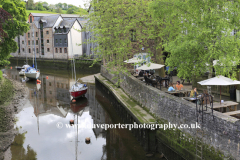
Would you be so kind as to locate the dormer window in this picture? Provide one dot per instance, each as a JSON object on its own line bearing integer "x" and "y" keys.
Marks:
{"x": 64, "y": 30}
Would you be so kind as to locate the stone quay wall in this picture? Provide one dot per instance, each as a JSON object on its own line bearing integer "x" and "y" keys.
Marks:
{"x": 221, "y": 134}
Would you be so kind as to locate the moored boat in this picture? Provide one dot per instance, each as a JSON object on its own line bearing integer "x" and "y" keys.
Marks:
{"x": 22, "y": 72}
{"x": 78, "y": 90}
{"x": 32, "y": 73}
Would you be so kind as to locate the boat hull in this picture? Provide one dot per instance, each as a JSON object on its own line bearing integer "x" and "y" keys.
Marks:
{"x": 77, "y": 94}
{"x": 22, "y": 73}
{"x": 32, "y": 75}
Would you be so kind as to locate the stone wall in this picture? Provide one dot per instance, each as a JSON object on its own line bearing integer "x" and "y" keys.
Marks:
{"x": 221, "y": 134}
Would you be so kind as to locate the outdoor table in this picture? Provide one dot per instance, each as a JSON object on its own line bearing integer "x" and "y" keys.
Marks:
{"x": 185, "y": 92}
{"x": 135, "y": 75}
{"x": 140, "y": 78}
{"x": 224, "y": 105}
{"x": 191, "y": 99}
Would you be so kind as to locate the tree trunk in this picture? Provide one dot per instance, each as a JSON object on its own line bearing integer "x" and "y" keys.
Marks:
{"x": 159, "y": 58}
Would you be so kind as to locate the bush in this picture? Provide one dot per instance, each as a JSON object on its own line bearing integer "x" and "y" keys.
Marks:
{"x": 1, "y": 75}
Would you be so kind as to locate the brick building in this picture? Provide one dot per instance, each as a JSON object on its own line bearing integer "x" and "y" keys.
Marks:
{"x": 51, "y": 36}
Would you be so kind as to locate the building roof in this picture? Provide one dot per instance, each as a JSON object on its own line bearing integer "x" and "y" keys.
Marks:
{"x": 48, "y": 21}
{"x": 67, "y": 23}
{"x": 40, "y": 14}
{"x": 83, "y": 23}
{"x": 70, "y": 15}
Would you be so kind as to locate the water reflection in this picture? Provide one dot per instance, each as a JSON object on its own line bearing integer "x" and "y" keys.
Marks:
{"x": 49, "y": 104}
{"x": 19, "y": 152}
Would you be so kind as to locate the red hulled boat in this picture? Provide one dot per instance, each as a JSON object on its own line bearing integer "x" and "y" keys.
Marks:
{"x": 78, "y": 90}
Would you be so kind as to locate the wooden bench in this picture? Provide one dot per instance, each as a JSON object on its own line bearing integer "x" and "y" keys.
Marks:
{"x": 224, "y": 105}
{"x": 232, "y": 113}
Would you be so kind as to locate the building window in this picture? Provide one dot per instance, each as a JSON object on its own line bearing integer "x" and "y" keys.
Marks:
{"x": 37, "y": 50}
{"x": 60, "y": 50}
{"x": 47, "y": 40}
{"x": 56, "y": 41}
{"x": 22, "y": 42}
{"x": 65, "y": 40}
{"x": 31, "y": 19}
{"x": 36, "y": 42}
{"x": 60, "y": 40}
{"x": 36, "y": 34}
{"x": 29, "y": 42}
{"x": 42, "y": 51}
{"x": 29, "y": 50}
{"x": 48, "y": 49}
{"x": 50, "y": 84}
{"x": 65, "y": 30}
{"x": 56, "y": 50}
{"x": 65, "y": 50}
{"x": 47, "y": 32}
{"x": 33, "y": 42}
{"x": 28, "y": 35}
{"x": 133, "y": 35}
{"x": 23, "y": 49}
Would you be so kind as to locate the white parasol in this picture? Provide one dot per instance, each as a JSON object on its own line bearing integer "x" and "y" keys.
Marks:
{"x": 149, "y": 66}
{"x": 219, "y": 81}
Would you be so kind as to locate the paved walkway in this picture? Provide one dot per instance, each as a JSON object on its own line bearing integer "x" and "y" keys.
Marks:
{"x": 89, "y": 79}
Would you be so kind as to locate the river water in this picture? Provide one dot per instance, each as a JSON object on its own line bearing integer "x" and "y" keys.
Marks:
{"x": 48, "y": 106}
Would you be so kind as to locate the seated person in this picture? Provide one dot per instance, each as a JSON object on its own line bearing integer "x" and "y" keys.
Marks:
{"x": 152, "y": 76}
{"x": 179, "y": 86}
{"x": 194, "y": 92}
{"x": 171, "y": 87}
{"x": 141, "y": 73}
{"x": 206, "y": 97}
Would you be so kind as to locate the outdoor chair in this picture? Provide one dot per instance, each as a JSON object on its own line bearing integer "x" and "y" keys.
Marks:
{"x": 153, "y": 83}
{"x": 146, "y": 80}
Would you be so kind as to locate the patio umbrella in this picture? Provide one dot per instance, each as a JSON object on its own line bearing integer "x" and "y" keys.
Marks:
{"x": 150, "y": 66}
{"x": 219, "y": 81}
{"x": 134, "y": 60}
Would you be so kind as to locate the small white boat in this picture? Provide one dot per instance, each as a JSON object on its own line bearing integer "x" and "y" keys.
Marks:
{"x": 32, "y": 73}
{"x": 22, "y": 72}
{"x": 25, "y": 66}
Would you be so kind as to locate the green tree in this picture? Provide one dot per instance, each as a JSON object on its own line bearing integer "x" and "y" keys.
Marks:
{"x": 70, "y": 11}
{"x": 39, "y": 6}
{"x": 58, "y": 10}
{"x": 65, "y": 6}
{"x": 198, "y": 32}
{"x": 121, "y": 29}
{"x": 59, "y": 5}
{"x": 13, "y": 27}
{"x": 30, "y": 5}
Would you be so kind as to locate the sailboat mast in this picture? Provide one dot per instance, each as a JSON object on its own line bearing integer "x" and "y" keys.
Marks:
{"x": 34, "y": 47}
{"x": 77, "y": 137}
{"x": 73, "y": 54}
{"x": 25, "y": 47}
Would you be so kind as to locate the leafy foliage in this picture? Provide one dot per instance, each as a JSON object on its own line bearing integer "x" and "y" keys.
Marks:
{"x": 4, "y": 16}
{"x": 30, "y": 5}
{"x": 121, "y": 29}
{"x": 13, "y": 27}
{"x": 198, "y": 32}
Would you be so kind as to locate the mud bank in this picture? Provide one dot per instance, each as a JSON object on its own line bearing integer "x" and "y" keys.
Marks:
{"x": 13, "y": 96}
